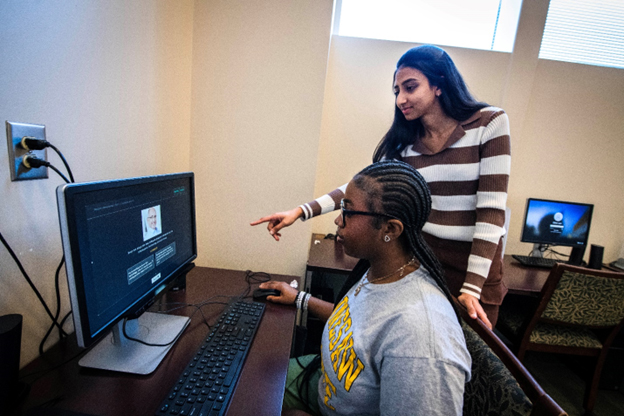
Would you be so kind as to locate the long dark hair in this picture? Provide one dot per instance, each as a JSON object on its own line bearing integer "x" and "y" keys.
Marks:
{"x": 456, "y": 100}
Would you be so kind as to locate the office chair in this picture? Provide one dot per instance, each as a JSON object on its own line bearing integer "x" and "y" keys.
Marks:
{"x": 500, "y": 384}
{"x": 579, "y": 312}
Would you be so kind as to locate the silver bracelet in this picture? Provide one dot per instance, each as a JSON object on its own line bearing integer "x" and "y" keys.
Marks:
{"x": 300, "y": 297}
{"x": 305, "y": 301}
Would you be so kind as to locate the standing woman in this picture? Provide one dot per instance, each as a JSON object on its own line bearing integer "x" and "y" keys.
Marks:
{"x": 462, "y": 149}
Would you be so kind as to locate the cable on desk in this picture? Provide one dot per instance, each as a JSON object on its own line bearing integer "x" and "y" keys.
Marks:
{"x": 140, "y": 341}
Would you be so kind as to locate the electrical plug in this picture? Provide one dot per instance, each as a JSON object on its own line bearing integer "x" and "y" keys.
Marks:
{"x": 32, "y": 143}
{"x": 33, "y": 162}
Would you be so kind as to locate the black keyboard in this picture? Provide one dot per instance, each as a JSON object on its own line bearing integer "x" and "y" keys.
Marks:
{"x": 206, "y": 385}
{"x": 535, "y": 261}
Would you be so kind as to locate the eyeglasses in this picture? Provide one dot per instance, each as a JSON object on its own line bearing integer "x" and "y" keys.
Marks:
{"x": 349, "y": 212}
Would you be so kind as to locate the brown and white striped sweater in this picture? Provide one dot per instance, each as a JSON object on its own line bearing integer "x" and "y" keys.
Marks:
{"x": 468, "y": 179}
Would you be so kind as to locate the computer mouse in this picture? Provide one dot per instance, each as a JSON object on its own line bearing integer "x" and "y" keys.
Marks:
{"x": 261, "y": 294}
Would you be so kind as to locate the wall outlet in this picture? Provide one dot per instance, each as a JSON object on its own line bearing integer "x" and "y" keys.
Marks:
{"x": 15, "y": 132}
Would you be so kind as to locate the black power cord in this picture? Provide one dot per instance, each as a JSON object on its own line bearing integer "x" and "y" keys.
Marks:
{"x": 62, "y": 332}
{"x": 33, "y": 162}
{"x": 31, "y": 143}
{"x": 30, "y": 282}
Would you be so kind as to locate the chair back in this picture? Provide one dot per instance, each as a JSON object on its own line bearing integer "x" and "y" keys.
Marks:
{"x": 580, "y": 296}
{"x": 500, "y": 384}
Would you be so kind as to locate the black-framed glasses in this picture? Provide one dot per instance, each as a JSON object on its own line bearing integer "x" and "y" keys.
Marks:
{"x": 349, "y": 212}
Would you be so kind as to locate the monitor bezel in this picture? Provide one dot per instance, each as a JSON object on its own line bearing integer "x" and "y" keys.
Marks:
{"x": 73, "y": 265}
{"x": 526, "y": 239}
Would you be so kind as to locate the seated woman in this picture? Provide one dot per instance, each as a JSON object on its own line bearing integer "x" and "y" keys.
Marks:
{"x": 393, "y": 344}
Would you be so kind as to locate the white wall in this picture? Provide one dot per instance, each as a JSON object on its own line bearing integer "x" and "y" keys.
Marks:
{"x": 111, "y": 81}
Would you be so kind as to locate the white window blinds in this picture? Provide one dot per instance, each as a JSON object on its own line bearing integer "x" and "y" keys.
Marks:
{"x": 585, "y": 32}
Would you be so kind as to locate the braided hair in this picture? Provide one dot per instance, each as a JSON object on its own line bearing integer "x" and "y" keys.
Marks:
{"x": 399, "y": 190}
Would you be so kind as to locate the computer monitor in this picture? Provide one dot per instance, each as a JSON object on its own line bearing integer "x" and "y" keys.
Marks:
{"x": 556, "y": 223}
{"x": 125, "y": 243}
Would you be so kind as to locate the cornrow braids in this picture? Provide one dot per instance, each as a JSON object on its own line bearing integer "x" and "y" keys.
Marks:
{"x": 401, "y": 192}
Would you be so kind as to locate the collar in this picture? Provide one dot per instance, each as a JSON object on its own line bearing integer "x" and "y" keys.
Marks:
{"x": 457, "y": 134}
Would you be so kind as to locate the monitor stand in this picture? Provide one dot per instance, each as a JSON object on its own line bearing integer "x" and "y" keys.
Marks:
{"x": 538, "y": 250}
{"x": 117, "y": 353}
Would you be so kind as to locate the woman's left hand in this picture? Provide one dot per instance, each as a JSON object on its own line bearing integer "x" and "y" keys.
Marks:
{"x": 475, "y": 310}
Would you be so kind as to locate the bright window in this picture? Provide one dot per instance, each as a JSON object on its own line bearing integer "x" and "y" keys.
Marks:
{"x": 585, "y": 32}
{"x": 477, "y": 24}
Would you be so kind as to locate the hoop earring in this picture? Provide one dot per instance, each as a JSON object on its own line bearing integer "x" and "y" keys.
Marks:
{"x": 387, "y": 238}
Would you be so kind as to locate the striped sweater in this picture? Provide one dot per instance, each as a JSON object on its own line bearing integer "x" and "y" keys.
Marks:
{"x": 468, "y": 179}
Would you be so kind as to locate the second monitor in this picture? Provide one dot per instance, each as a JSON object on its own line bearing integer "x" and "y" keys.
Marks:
{"x": 557, "y": 223}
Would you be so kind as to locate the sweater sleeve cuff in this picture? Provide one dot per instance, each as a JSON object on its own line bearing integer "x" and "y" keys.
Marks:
{"x": 471, "y": 289}
{"x": 307, "y": 212}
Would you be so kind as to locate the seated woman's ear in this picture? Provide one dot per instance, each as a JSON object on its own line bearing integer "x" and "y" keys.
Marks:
{"x": 392, "y": 229}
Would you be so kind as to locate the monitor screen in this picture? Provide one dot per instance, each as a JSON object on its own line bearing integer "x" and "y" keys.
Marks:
{"x": 125, "y": 241}
{"x": 556, "y": 223}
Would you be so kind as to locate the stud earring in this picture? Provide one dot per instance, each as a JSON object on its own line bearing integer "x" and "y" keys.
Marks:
{"x": 387, "y": 238}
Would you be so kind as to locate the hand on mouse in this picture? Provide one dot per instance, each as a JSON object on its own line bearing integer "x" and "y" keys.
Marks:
{"x": 288, "y": 293}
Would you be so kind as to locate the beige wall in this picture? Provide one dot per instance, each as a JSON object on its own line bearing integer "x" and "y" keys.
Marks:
{"x": 566, "y": 123}
{"x": 111, "y": 81}
{"x": 258, "y": 79}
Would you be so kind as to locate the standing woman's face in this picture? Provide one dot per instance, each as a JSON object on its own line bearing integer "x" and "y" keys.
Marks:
{"x": 415, "y": 97}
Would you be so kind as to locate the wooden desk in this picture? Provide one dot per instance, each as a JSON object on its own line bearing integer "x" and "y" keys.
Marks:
{"x": 528, "y": 281}
{"x": 521, "y": 280}
{"x": 260, "y": 388}
{"x": 327, "y": 256}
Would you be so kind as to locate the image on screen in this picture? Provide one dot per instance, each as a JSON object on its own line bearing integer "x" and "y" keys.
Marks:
{"x": 152, "y": 225}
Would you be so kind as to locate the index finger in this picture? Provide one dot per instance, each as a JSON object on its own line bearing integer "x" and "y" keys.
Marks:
{"x": 261, "y": 220}
{"x": 483, "y": 316}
